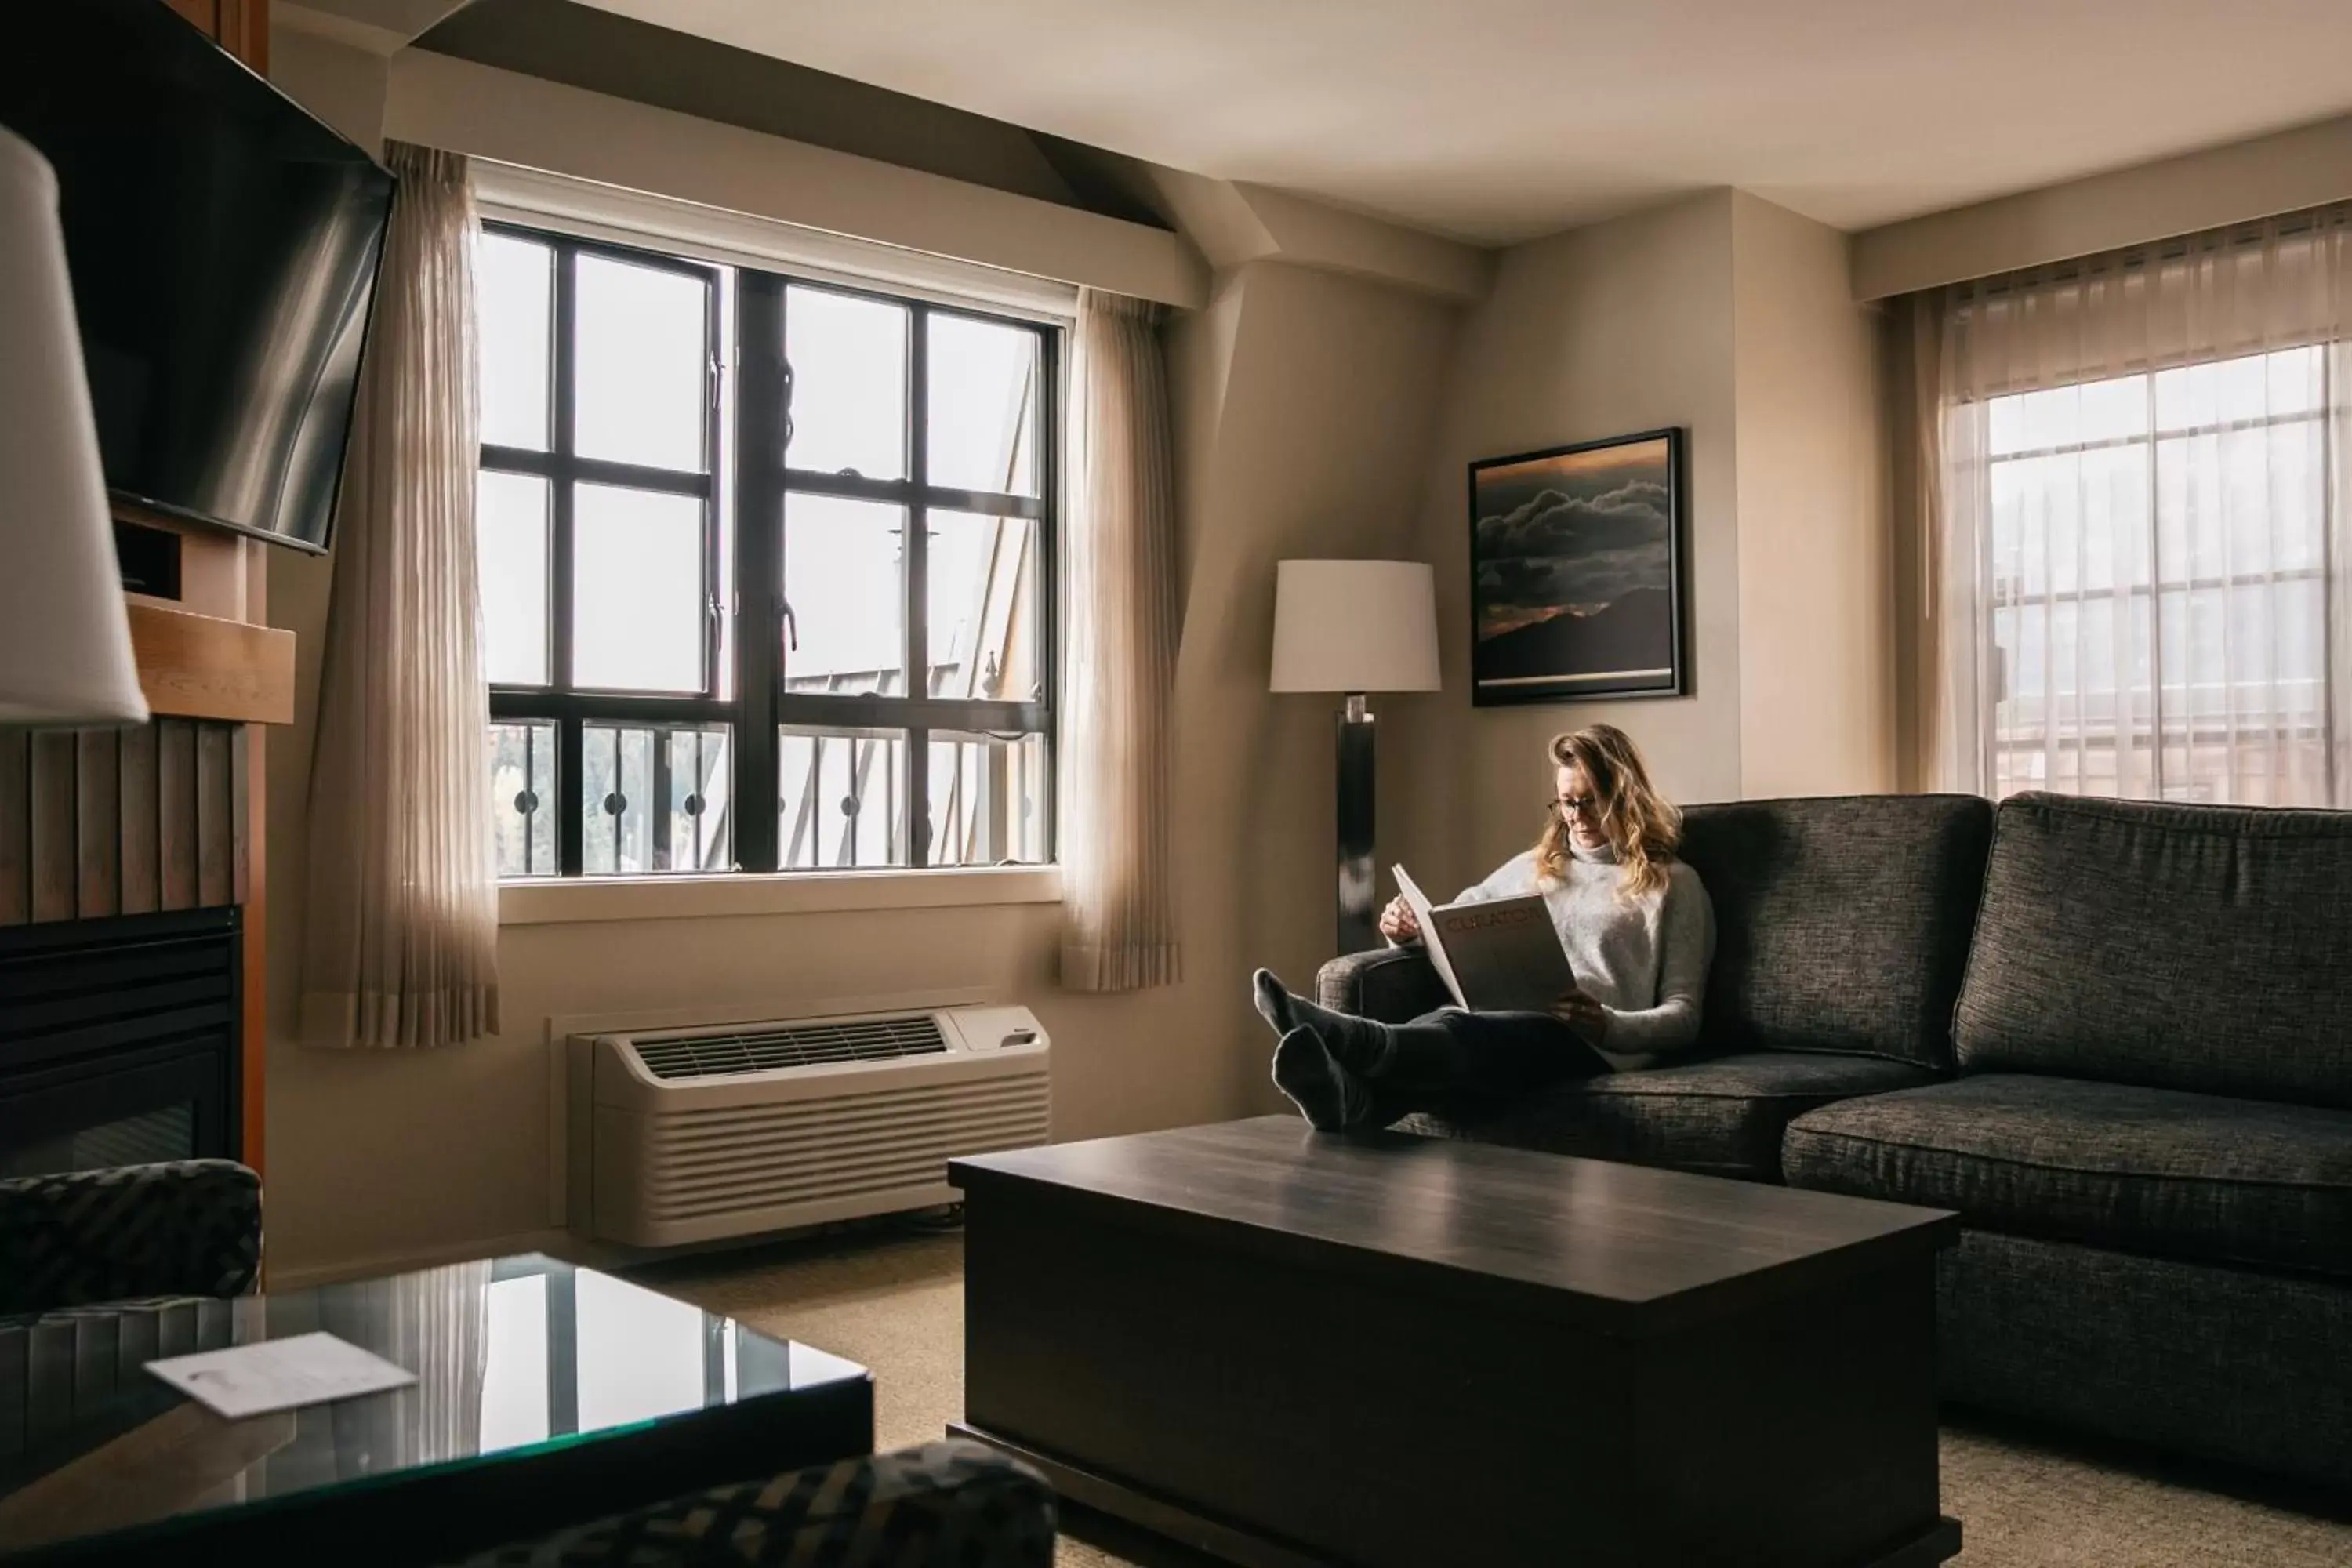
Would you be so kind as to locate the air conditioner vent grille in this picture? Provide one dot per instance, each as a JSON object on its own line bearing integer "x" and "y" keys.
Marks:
{"x": 729, "y": 1051}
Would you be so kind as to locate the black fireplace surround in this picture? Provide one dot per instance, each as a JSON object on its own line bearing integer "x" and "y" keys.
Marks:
{"x": 119, "y": 1041}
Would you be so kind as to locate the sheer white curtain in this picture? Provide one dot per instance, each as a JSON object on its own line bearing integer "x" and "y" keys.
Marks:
{"x": 401, "y": 927}
{"x": 1119, "y": 661}
{"x": 2143, "y": 565}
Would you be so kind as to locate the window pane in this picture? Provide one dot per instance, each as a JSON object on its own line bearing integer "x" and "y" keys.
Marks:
{"x": 2069, "y": 415}
{"x": 510, "y": 541}
{"x": 638, "y": 606}
{"x": 616, "y": 768}
{"x": 982, "y": 626}
{"x": 514, "y": 311}
{"x": 983, "y": 407}
{"x": 655, "y": 798}
{"x": 2242, "y": 502}
{"x": 840, "y": 798}
{"x": 643, "y": 359}
{"x": 696, "y": 785}
{"x": 988, "y": 800}
{"x": 844, "y": 592}
{"x": 2070, "y": 521}
{"x": 2257, "y": 386}
{"x": 522, "y": 797}
{"x": 848, "y": 360}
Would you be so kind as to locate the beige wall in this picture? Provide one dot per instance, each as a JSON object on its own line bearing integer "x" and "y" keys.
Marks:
{"x": 1734, "y": 319}
{"x": 1622, "y": 326}
{"x": 1816, "y": 690}
{"x": 1304, "y": 403}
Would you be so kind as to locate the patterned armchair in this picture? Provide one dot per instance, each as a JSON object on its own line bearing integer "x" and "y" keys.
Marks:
{"x": 951, "y": 1504}
{"x": 189, "y": 1228}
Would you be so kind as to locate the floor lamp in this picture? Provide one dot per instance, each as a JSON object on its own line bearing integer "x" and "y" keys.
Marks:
{"x": 65, "y": 636}
{"x": 1355, "y": 627}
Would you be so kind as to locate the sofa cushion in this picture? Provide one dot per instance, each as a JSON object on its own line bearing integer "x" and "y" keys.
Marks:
{"x": 1842, "y": 924}
{"x": 2145, "y": 1169}
{"x": 1723, "y": 1116}
{"x": 2175, "y": 946}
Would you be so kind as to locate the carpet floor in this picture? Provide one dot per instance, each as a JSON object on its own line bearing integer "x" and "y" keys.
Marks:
{"x": 2025, "y": 1499}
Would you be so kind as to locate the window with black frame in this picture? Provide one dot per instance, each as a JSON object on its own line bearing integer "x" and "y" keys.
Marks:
{"x": 748, "y": 539}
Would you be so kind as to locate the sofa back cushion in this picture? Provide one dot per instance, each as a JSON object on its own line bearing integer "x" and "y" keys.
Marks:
{"x": 2194, "y": 947}
{"x": 1842, "y": 924}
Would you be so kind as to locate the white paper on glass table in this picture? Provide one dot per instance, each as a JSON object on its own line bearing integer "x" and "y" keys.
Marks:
{"x": 279, "y": 1374}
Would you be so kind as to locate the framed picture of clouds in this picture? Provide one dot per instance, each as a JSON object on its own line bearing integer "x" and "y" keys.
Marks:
{"x": 1577, "y": 572}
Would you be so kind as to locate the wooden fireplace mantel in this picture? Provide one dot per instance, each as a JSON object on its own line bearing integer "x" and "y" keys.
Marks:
{"x": 206, "y": 666}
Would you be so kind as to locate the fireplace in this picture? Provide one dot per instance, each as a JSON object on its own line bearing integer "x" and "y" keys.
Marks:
{"x": 119, "y": 1041}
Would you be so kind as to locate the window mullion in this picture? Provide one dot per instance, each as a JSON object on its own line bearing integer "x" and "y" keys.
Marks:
{"x": 569, "y": 831}
{"x": 713, "y": 636}
{"x": 758, "y": 523}
{"x": 1047, "y": 595}
{"x": 570, "y": 837}
{"x": 917, "y": 578}
{"x": 560, "y": 481}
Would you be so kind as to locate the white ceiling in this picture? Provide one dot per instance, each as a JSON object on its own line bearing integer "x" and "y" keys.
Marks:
{"x": 1498, "y": 121}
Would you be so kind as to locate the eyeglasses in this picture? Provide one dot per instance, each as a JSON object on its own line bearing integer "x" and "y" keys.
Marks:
{"x": 1565, "y": 806}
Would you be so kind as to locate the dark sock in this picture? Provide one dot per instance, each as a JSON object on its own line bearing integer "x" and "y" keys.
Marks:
{"x": 1326, "y": 1094}
{"x": 1273, "y": 1001}
{"x": 1359, "y": 1044}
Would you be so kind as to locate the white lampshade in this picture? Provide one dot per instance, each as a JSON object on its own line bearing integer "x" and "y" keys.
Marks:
{"x": 1355, "y": 625}
{"x": 64, "y": 639}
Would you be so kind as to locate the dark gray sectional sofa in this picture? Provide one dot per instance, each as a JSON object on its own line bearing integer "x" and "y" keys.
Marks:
{"x": 1841, "y": 930}
{"x": 2116, "y": 1036}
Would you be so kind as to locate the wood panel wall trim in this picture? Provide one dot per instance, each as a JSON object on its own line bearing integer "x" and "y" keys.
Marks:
{"x": 95, "y": 822}
{"x": 199, "y": 667}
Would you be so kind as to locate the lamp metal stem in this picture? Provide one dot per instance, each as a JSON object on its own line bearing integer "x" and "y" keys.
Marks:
{"x": 1358, "y": 931}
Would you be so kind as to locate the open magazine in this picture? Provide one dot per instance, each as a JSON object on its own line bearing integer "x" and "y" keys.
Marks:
{"x": 1500, "y": 955}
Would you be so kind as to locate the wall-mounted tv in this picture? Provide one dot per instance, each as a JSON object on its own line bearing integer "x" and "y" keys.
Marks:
{"x": 222, "y": 249}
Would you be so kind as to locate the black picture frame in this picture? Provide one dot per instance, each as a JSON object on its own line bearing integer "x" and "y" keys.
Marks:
{"x": 1614, "y": 529}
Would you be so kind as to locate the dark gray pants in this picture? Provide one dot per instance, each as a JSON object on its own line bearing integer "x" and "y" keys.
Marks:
{"x": 1452, "y": 1061}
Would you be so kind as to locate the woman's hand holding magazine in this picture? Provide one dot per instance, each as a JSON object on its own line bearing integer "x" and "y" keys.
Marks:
{"x": 1496, "y": 955}
{"x": 1398, "y": 922}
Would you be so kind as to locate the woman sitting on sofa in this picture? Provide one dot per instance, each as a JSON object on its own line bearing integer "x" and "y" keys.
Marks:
{"x": 1635, "y": 923}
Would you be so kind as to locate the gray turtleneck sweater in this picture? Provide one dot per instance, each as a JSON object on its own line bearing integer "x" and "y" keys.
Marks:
{"x": 1642, "y": 958}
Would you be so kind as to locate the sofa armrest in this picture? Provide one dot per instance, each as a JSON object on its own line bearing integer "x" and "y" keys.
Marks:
{"x": 188, "y": 1228}
{"x": 953, "y": 1504}
{"x": 1393, "y": 984}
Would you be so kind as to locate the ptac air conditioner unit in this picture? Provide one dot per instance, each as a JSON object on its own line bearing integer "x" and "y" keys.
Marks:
{"x": 698, "y": 1135}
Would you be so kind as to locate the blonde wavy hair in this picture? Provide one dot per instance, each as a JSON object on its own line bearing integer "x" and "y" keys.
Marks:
{"x": 1643, "y": 829}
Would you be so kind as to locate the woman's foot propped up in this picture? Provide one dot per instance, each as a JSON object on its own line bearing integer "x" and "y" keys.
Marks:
{"x": 1359, "y": 1044}
{"x": 1331, "y": 1098}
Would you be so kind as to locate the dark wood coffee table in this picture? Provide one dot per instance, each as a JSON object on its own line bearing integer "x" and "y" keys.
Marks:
{"x": 1287, "y": 1348}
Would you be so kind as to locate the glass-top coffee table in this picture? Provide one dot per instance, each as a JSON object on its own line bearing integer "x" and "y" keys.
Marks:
{"x": 546, "y": 1395}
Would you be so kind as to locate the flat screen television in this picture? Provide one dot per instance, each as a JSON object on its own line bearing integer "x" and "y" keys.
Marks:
{"x": 223, "y": 248}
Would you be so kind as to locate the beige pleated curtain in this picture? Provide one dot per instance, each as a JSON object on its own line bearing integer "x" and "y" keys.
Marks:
{"x": 1118, "y": 663}
{"x": 400, "y": 942}
{"x": 2135, "y": 501}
